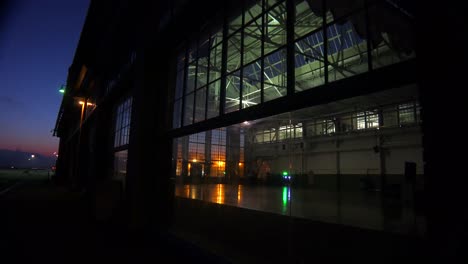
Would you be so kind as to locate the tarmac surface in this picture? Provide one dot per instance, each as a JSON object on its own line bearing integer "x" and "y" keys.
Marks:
{"x": 45, "y": 223}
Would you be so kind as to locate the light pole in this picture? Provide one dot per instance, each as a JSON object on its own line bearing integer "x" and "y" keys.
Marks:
{"x": 31, "y": 158}
{"x": 83, "y": 103}
{"x": 84, "y": 107}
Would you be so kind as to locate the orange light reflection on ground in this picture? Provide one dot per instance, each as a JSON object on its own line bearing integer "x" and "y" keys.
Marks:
{"x": 220, "y": 193}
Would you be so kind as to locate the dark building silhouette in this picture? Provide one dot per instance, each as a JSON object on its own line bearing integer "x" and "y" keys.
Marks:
{"x": 278, "y": 130}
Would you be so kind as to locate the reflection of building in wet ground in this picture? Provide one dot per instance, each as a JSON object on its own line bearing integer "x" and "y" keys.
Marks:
{"x": 360, "y": 209}
{"x": 345, "y": 166}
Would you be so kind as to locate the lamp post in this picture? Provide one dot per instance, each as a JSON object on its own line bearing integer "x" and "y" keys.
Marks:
{"x": 83, "y": 104}
{"x": 30, "y": 164}
{"x": 75, "y": 180}
{"x": 84, "y": 107}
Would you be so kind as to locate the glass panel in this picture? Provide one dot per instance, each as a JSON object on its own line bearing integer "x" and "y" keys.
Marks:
{"x": 406, "y": 114}
{"x": 298, "y": 131}
{"x": 372, "y": 119}
{"x": 178, "y": 154}
{"x": 275, "y": 75}
{"x": 217, "y": 37}
{"x": 218, "y": 155}
{"x": 235, "y": 24}
{"x": 330, "y": 17}
{"x": 392, "y": 35}
{"x": 120, "y": 166}
{"x": 340, "y": 9}
{"x": 197, "y": 147}
{"x": 308, "y": 17}
{"x": 309, "y": 62}
{"x": 320, "y": 127}
{"x": 233, "y": 92}
{"x": 193, "y": 164}
{"x": 177, "y": 113}
{"x": 390, "y": 117}
{"x": 253, "y": 11}
{"x": 122, "y": 123}
{"x": 418, "y": 113}
{"x": 117, "y": 138}
{"x": 252, "y": 41}
{"x": 200, "y": 104}
{"x": 330, "y": 127}
{"x": 213, "y": 98}
{"x": 251, "y": 89}
{"x": 215, "y": 62}
{"x": 259, "y": 138}
{"x": 218, "y": 141}
{"x": 179, "y": 84}
{"x": 233, "y": 53}
{"x": 347, "y": 48}
{"x": 192, "y": 53}
{"x": 269, "y": 136}
{"x": 191, "y": 73}
{"x": 270, "y": 3}
{"x": 346, "y": 123}
{"x": 286, "y": 132}
{"x": 181, "y": 61}
{"x": 202, "y": 72}
{"x": 188, "y": 111}
{"x": 202, "y": 67}
{"x": 275, "y": 28}
{"x": 360, "y": 120}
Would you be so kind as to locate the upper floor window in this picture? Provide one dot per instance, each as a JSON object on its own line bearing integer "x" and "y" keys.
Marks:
{"x": 408, "y": 113}
{"x": 266, "y": 136}
{"x": 321, "y": 127}
{"x": 367, "y": 119}
{"x": 290, "y": 131}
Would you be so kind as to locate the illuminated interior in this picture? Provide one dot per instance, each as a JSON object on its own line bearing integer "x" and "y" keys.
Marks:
{"x": 307, "y": 162}
{"x": 256, "y": 56}
{"x": 322, "y": 162}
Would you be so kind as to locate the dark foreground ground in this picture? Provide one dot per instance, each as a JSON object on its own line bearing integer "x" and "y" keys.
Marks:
{"x": 44, "y": 223}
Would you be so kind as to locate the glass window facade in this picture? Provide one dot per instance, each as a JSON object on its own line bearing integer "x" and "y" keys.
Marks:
{"x": 327, "y": 162}
{"x": 330, "y": 43}
{"x": 310, "y": 164}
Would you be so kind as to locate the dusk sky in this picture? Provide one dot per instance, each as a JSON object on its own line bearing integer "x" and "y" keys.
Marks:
{"x": 38, "y": 39}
